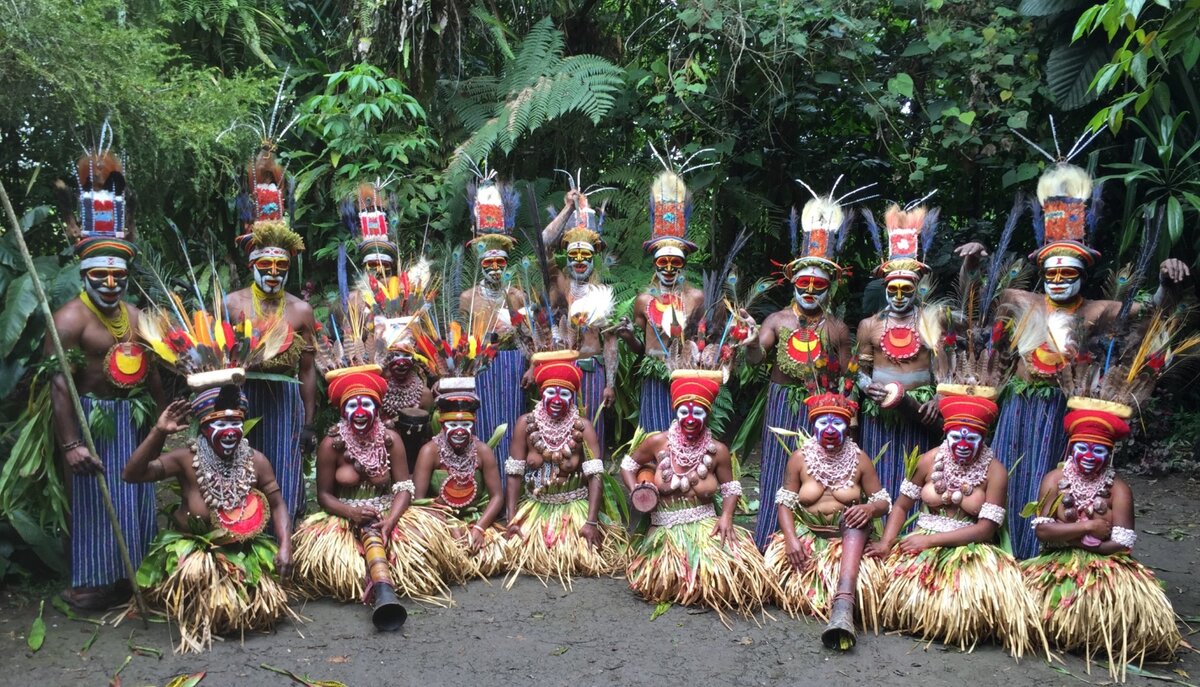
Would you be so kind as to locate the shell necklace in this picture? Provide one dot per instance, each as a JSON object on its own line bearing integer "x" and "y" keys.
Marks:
{"x": 952, "y": 481}
{"x": 686, "y": 462}
{"x": 223, "y": 483}
{"x": 833, "y": 470}
{"x": 1081, "y": 492}
{"x": 369, "y": 454}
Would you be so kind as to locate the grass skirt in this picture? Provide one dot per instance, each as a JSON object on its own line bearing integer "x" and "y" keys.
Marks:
{"x": 686, "y": 564}
{"x": 492, "y": 557}
{"x": 1093, "y": 603}
{"x": 208, "y": 589}
{"x": 810, "y": 591}
{"x": 550, "y": 546}
{"x": 328, "y": 557}
{"x": 962, "y": 595}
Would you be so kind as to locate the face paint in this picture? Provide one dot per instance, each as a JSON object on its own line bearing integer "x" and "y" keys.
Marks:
{"x": 400, "y": 363}
{"x": 224, "y": 436}
{"x": 458, "y": 433}
{"x": 669, "y": 269}
{"x": 270, "y": 273}
{"x": 581, "y": 264}
{"x": 359, "y": 412}
{"x": 830, "y": 431}
{"x": 493, "y": 270}
{"x": 965, "y": 443}
{"x": 810, "y": 289}
{"x": 1062, "y": 283}
{"x": 692, "y": 418}
{"x": 901, "y": 295}
{"x": 1090, "y": 458}
{"x": 105, "y": 286}
{"x": 557, "y": 401}
{"x": 378, "y": 266}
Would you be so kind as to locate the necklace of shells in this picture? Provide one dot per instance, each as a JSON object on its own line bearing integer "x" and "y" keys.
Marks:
{"x": 833, "y": 470}
{"x": 369, "y": 454}
{"x": 555, "y": 439}
{"x": 458, "y": 465}
{"x": 405, "y": 394}
{"x": 223, "y": 483}
{"x": 1080, "y": 492}
{"x": 685, "y": 462}
{"x": 952, "y": 481}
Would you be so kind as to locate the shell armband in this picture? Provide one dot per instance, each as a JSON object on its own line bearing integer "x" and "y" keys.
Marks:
{"x": 592, "y": 467}
{"x": 991, "y": 511}
{"x": 512, "y": 466}
{"x": 910, "y": 490}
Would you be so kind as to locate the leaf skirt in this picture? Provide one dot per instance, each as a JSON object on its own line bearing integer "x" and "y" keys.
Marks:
{"x": 549, "y": 544}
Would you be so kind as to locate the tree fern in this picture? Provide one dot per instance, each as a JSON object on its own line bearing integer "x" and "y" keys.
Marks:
{"x": 537, "y": 85}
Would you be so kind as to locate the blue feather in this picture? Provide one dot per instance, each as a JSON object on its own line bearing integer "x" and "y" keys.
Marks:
{"x": 794, "y": 232}
{"x": 342, "y": 277}
{"x": 551, "y": 212}
{"x": 843, "y": 233}
{"x": 1095, "y": 208}
{"x": 929, "y": 230}
{"x": 512, "y": 202}
{"x": 1039, "y": 225}
{"x": 245, "y": 208}
{"x": 1014, "y": 216}
{"x": 873, "y": 230}
{"x": 349, "y": 211}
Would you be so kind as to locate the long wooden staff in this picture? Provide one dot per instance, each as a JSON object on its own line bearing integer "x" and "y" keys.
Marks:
{"x": 75, "y": 402}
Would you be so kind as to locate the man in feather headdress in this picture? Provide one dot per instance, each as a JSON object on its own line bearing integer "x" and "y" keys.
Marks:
{"x": 809, "y": 344}
{"x": 286, "y": 409}
{"x": 99, "y": 324}
{"x": 1049, "y": 327}
{"x": 662, "y": 311}
{"x": 900, "y": 412}
{"x": 578, "y": 292}
{"x": 493, "y": 309}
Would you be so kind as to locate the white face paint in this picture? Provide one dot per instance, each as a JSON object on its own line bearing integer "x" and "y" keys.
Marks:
{"x": 360, "y": 412}
{"x": 270, "y": 268}
{"x": 901, "y": 295}
{"x": 224, "y": 435}
{"x": 810, "y": 288}
{"x": 1063, "y": 281}
{"x": 1089, "y": 457}
{"x": 458, "y": 433}
{"x": 964, "y": 443}
{"x": 830, "y": 430}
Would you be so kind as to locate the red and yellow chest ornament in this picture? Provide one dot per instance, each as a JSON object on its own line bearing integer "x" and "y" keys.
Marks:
{"x": 458, "y": 491}
{"x": 667, "y": 314}
{"x": 900, "y": 342}
{"x": 125, "y": 364}
{"x": 804, "y": 346}
{"x": 247, "y": 520}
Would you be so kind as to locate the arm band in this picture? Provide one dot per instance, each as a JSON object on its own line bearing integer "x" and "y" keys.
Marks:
{"x": 1125, "y": 537}
{"x": 991, "y": 511}
{"x": 910, "y": 490}
{"x": 406, "y": 485}
{"x": 1040, "y": 520}
{"x": 512, "y": 466}
{"x": 591, "y": 467}
{"x": 629, "y": 464}
{"x": 882, "y": 495}
{"x": 731, "y": 489}
{"x": 787, "y": 498}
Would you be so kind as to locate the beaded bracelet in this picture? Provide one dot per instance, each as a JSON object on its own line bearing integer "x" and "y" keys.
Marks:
{"x": 629, "y": 464}
{"x": 881, "y": 495}
{"x": 406, "y": 485}
{"x": 991, "y": 511}
{"x": 1040, "y": 520}
{"x": 787, "y": 498}
{"x": 512, "y": 466}
{"x": 1124, "y": 536}
{"x": 70, "y": 445}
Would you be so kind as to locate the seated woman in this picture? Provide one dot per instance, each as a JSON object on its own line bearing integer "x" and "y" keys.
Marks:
{"x": 1093, "y": 595}
{"x": 690, "y": 556}
{"x": 558, "y": 530}
{"x": 364, "y": 489}
{"x": 947, "y": 580}
{"x": 223, "y": 582}
{"x": 816, "y": 557}
{"x": 452, "y": 466}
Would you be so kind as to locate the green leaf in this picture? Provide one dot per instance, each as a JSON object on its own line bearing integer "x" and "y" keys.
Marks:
{"x": 19, "y": 304}
{"x": 828, "y": 78}
{"x": 1069, "y": 72}
{"x": 272, "y": 377}
{"x": 967, "y": 118}
{"x": 915, "y": 49}
{"x": 37, "y": 633}
{"x": 901, "y": 85}
{"x": 1174, "y": 218}
{"x": 661, "y": 608}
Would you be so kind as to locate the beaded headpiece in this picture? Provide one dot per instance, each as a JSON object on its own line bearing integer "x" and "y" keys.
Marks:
{"x": 494, "y": 207}
{"x": 99, "y": 222}
{"x": 909, "y": 232}
{"x": 835, "y": 403}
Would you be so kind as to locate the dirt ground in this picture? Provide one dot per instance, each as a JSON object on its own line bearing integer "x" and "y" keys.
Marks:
{"x": 596, "y": 634}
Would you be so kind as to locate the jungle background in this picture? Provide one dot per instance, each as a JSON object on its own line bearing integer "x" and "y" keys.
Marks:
{"x": 913, "y": 95}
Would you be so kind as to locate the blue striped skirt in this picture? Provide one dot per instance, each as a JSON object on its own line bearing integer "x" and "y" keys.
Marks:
{"x": 501, "y": 400}
{"x": 655, "y": 412}
{"x": 277, "y": 435}
{"x": 591, "y": 396}
{"x": 1030, "y": 429}
{"x": 900, "y": 436}
{"x": 95, "y": 558}
{"x": 780, "y": 414}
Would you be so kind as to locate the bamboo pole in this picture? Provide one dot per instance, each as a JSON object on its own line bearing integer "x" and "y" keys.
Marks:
{"x": 84, "y": 430}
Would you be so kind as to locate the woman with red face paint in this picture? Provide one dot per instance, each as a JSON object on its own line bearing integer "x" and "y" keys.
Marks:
{"x": 364, "y": 487}
{"x": 1094, "y": 597}
{"x": 823, "y": 520}
{"x": 691, "y": 555}
{"x": 948, "y": 580}
{"x": 558, "y": 529}
{"x": 459, "y": 472}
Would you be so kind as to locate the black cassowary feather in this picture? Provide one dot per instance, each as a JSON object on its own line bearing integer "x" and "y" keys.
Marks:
{"x": 1039, "y": 224}
{"x": 843, "y": 231}
{"x": 1095, "y": 208}
{"x": 929, "y": 230}
{"x": 873, "y": 230}
{"x": 1150, "y": 238}
{"x": 998, "y": 260}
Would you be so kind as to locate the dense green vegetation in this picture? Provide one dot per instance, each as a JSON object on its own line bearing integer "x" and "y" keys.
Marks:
{"x": 913, "y": 95}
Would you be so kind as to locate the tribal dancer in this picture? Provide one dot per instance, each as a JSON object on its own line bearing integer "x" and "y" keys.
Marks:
{"x": 497, "y": 306}
{"x": 691, "y": 555}
{"x": 364, "y": 489}
{"x": 216, "y": 573}
{"x": 285, "y": 409}
{"x": 407, "y": 400}
{"x": 660, "y": 312}
{"x": 366, "y": 218}
{"x": 1094, "y": 597}
{"x": 900, "y": 407}
{"x": 452, "y": 467}
{"x": 100, "y": 325}
{"x": 576, "y": 289}
{"x": 947, "y": 580}
{"x": 808, "y": 342}
{"x": 1030, "y": 425}
{"x": 558, "y": 529}
{"x": 817, "y": 557}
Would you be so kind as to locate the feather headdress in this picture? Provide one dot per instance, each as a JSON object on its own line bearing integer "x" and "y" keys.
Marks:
{"x": 494, "y": 207}
{"x": 910, "y": 232}
{"x": 825, "y": 226}
{"x": 671, "y": 208}
{"x": 98, "y": 215}
{"x": 365, "y": 215}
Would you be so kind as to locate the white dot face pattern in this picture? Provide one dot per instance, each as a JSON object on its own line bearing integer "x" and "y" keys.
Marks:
{"x": 552, "y": 393}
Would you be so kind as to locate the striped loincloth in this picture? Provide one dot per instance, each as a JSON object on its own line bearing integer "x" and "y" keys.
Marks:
{"x": 277, "y": 435}
{"x": 782, "y": 415}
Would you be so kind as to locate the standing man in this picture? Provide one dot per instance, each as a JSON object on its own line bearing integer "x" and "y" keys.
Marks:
{"x": 1030, "y": 428}
{"x": 285, "y": 409}
{"x": 101, "y": 326}
{"x": 661, "y": 312}
{"x": 489, "y": 308}
{"x": 808, "y": 342}
{"x": 900, "y": 410}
